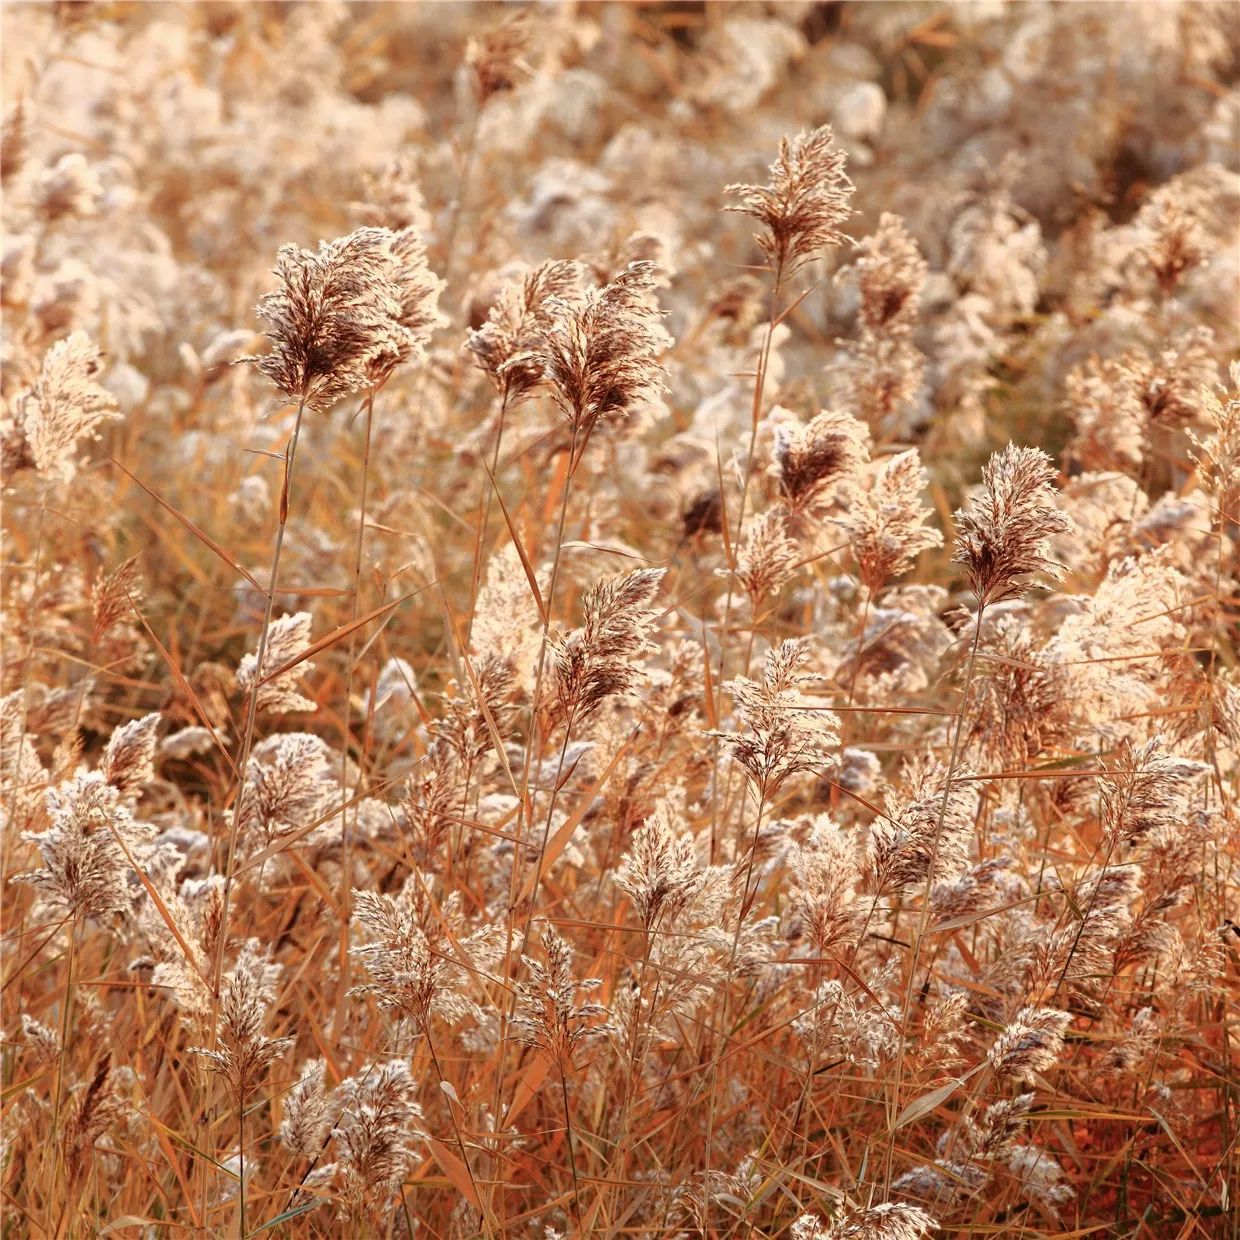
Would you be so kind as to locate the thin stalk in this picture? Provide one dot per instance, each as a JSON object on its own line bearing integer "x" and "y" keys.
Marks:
{"x": 856, "y": 671}
{"x": 247, "y": 744}
{"x": 759, "y": 387}
{"x": 620, "y": 1159}
{"x": 542, "y": 649}
{"x": 809, "y": 1075}
{"x": 488, "y": 499}
{"x": 746, "y": 900}
{"x": 346, "y": 837}
{"x": 510, "y": 994}
{"x": 456, "y": 1128}
{"x": 572, "y": 1157}
{"x": 924, "y": 915}
{"x": 865, "y": 619}
{"x": 462, "y": 189}
{"x": 36, "y": 598}
{"x": 542, "y": 848}
{"x": 67, "y": 1007}
{"x": 241, "y": 1162}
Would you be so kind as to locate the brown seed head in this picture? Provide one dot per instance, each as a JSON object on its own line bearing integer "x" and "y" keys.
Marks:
{"x": 808, "y": 198}
{"x": 1003, "y": 535}
{"x": 494, "y": 58}
{"x": 599, "y": 356}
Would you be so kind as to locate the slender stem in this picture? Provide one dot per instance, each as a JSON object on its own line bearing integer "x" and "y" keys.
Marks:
{"x": 572, "y": 1157}
{"x": 70, "y": 979}
{"x": 247, "y": 744}
{"x": 456, "y": 1128}
{"x": 924, "y": 916}
{"x": 346, "y": 836}
{"x": 620, "y": 1158}
{"x": 746, "y": 901}
{"x": 865, "y": 619}
{"x": 852, "y": 680}
{"x": 546, "y": 835}
{"x": 36, "y": 599}
{"x": 759, "y": 388}
{"x": 542, "y": 649}
{"x": 756, "y": 415}
{"x": 489, "y": 497}
{"x": 462, "y": 189}
{"x": 527, "y": 807}
{"x": 852, "y": 960}
{"x": 241, "y": 1160}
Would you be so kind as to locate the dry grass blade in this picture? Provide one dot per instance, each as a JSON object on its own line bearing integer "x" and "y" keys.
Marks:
{"x": 339, "y": 634}
{"x": 199, "y": 534}
{"x": 557, "y": 842}
{"x": 186, "y": 688}
{"x": 526, "y": 566}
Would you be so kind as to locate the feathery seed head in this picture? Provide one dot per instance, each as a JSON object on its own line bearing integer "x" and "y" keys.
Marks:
{"x": 129, "y": 760}
{"x": 808, "y": 198}
{"x": 909, "y": 843}
{"x": 784, "y": 732}
{"x": 767, "y": 558}
{"x": 659, "y": 871}
{"x": 287, "y": 637}
{"x": 64, "y": 404}
{"x": 85, "y": 869}
{"x": 344, "y": 316}
{"x": 494, "y": 58}
{"x": 376, "y": 1137}
{"x": 599, "y": 355}
{"x": 599, "y": 659}
{"x": 244, "y": 1052}
{"x": 1030, "y": 1044}
{"x": 1003, "y": 535}
{"x": 308, "y": 1112}
{"x": 824, "y": 881}
{"x": 811, "y": 459}
{"x": 548, "y": 1017}
{"x": 888, "y": 1221}
{"x": 891, "y": 274}
{"x": 887, "y": 523}
{"x": 507, "y": 347}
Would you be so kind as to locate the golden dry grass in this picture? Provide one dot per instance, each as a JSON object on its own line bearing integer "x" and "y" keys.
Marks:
{"x": 617, "y": 718}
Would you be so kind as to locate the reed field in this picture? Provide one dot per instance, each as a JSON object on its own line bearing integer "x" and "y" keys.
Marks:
{"x": 620, "y": 620}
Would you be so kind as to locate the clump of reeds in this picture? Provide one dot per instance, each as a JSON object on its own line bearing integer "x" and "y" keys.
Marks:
{"x": 626, "y": 800}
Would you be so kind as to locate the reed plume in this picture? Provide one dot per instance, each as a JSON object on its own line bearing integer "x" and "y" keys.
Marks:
{"x": 600, "y": 356}
{"x": 1003, "y": 535}
{"x": 803, "y": 206}
{"x": 338, "y": 315}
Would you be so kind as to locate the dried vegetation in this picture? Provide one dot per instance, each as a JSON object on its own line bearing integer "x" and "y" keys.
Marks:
{"x": 560, "y": 710}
